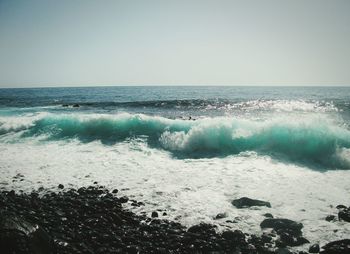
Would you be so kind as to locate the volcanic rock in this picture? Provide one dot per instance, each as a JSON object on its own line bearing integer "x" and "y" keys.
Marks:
{"x": 248, "y": 202}
{"x": 344, "y": 214}
{"x": 337, "y": 247}
{"x": 20, "y": 236}
{"x": 315, "y": 248}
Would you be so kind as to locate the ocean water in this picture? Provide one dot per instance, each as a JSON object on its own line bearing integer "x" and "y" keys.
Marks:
{"x": 188, "y": 151}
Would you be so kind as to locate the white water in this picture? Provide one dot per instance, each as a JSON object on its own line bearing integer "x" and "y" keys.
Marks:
{"x": 190, "y": 191}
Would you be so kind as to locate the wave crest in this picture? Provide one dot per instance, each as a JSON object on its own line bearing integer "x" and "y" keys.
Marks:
{"x": 314, "y": 140}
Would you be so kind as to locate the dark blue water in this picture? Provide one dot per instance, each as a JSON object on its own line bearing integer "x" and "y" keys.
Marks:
{"x": 172, "y": 101}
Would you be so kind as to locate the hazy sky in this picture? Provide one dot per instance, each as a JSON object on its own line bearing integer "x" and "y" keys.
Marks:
{"x": 259, "y": 42}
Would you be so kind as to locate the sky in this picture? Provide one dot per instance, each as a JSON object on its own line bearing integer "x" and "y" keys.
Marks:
{"x": 179, "y": 42}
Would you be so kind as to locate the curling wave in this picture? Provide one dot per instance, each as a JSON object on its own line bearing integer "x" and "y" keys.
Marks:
{"x": 318, "y": 141}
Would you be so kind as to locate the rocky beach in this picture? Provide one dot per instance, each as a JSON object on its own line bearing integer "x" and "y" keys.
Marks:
{"x": 93, "y": 220}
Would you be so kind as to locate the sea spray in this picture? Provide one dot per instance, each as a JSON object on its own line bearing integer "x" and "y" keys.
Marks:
{"x": 303, "y": 140}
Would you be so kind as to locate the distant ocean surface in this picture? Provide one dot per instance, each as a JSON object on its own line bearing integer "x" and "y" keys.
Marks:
{"x": 188, "y": 150}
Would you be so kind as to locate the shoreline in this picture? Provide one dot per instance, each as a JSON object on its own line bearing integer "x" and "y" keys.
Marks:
{"x": 93, "y": 220}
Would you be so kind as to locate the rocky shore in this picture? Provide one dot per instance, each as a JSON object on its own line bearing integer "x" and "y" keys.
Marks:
{"x": 93, "y": 220}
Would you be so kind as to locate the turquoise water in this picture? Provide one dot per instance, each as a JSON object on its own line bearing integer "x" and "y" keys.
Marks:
{"x": 188, "y": 151}
{"x": 302, "y": 125}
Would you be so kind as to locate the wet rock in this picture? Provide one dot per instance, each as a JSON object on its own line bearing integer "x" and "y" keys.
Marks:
{"x": 154, "y": 214}
{"x": 93, "y": 220}
{"x": 315, "y": 248}
{"x": 337, "y": 247}
{"x": 268, "y": 215}
{"x": 236, "y": 236}
{"x": 287, "y": 239}
{"x": 266, "y": 238}
{"x": 202, "y": 228}
{"x": 76, "y": 105}
{"x": 283, "y": 225}
{"x": 344, "y": 214}
{"x": 115, "y": 191}
{"x": 20, "y": 236}
{"x": 283, "y": 251}
{"x": 123, "y": 199}
{"x": 220, "y": 216}
{"x": 61, "y": 186}
{"x": 65, "y": 105}
{"x": 248, "y": 202}
{"x": 330, "y": 217}
{"x": 341, "y": 207}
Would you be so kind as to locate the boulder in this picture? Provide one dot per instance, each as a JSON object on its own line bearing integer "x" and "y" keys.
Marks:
{"x": 337, "y": 247}
{"x": 236, "y": 236}
{"x": 288, "y": 239}
{"x": 341, "y": 207}
{"x": 268, "y": 215}
{"x": 202, "y": 228}
{"x": 123, "y": 199}
{"x": 220, "y": 216}
{"x": 19, "y": 236}
{"x": 344, "y": 214}
{"x": 248, "y": 202}
{"x": 315, "y": 248}
{"x": 283, "y": 225}
{"x": 330, "y": 217}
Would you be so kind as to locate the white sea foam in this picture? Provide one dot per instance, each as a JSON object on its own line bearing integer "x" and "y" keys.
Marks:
{"x": 189, "y": 190}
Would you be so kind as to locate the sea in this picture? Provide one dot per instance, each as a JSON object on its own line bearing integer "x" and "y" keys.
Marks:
{"x": 188, "y": 151}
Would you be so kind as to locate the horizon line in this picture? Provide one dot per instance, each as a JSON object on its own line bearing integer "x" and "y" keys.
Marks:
{"x": 172, "y": 85}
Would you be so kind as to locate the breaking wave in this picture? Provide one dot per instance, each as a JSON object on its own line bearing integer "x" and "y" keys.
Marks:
{"x": 316, "y": 140}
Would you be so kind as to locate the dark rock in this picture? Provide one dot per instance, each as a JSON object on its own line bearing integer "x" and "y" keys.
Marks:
{"x": 11, "y": 193}
{"x": 344, "y": 215}
{"x": 154, "y": 214}
{"x": 93, "y": 220}
{"x": 165, "y": 214}
{"x": 61, "y": 186}
{"x": 284, "y": 224}
{"x": 330, "y": 217}
{"x": 220, "y": 216}
{"x": 341, "y": 207}
{"x": 202, "y": 228}
{"x": 266, "y": 238}
{"x": 64, "y": 105}
{"x": 123, "y": 199}
{"x": 76, "y": 105}
{"x": 248, "y": 202}
{"x": 115, "y": 191}
{"x": 288, "y": 239}
{"x": 268, "y": 215}
{"x": 235, "y": 236}
{"x": 283, "y": 251}
{"x": 337, "y": 247}
{"x": 20, "y": 236}
{"x": 315, "y": 248}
